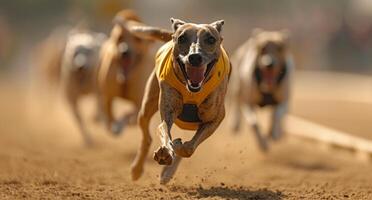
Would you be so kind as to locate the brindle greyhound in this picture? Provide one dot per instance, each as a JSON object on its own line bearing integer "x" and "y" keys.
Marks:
{"x": 188, "y": 86}
{"x": 262, "y": 78}
{"x": 124, "y": 64}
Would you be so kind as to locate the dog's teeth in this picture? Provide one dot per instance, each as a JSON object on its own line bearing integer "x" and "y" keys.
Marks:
{"x": 194, "y": 87}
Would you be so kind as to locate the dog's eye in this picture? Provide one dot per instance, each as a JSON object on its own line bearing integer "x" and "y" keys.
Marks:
{"x": 182, "y": 39}
{"x": 211, "y": 40}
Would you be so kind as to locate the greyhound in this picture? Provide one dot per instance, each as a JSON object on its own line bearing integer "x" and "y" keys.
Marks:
{"x": 124, "y": 66}
{"x": 188, "y": 87}
{"x": 79, "y": 70}
{"x": 262, "y": 78}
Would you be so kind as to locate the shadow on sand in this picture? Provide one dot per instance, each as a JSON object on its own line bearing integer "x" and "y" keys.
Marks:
{"x": 236, "y": 193}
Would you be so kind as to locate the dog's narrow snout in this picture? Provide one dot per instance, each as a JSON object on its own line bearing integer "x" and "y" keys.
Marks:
{"x": 80, "y": 60}
{"x": 195, "y": 59}
{"x": 124, "y": 49}
{"x": 267, "y": 61}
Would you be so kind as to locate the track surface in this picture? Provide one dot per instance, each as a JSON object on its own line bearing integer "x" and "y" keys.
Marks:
{"x": 42, "y": 156}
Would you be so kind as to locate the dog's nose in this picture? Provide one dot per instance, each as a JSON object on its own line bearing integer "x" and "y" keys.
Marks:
{"x": 267, "y": 61}
{"x": 80, "y": 60}
{"x": 195, "y": 60}
{"x": 124, "y": 49}
{"x": 270, "y": 66}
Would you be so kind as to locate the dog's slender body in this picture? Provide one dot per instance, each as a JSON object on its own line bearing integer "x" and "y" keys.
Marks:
{"x": 79, "y": 71}
{"x": 262, "y": 78}
{"x": 124, "y": 66}
{"x": 188, "y": 87}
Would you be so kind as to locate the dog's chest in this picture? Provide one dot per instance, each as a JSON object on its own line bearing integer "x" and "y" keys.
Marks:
{"x": 267, "y": 99}
{"x": 190, "y": 113}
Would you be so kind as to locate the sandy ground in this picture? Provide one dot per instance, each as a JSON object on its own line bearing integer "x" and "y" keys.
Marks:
{"x": 42, "y": 155}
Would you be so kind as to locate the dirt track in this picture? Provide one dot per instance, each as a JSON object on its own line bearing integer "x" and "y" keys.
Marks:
{"x": 42, "y": 157}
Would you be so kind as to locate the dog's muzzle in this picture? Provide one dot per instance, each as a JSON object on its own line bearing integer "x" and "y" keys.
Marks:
{"x": 126, "y": 58}
{"x": 195, "y": 75}
{"x": 267, "y": 61}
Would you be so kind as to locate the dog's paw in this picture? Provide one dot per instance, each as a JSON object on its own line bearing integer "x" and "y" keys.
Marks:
{"x": 183, "y": 149}
{"x": 136, "y": 171}
{"x": 263, "y": 144}
{"x": 117, "y": 128}
{"x": 97, "y": 118}
{"x": 235, "y": 128}
{"x": 275, "y": 135}
{"x": 163, "y": 156}
{"x": 88, "y": 141}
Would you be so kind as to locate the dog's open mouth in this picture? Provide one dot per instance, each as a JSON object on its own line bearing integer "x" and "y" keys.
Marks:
{"x": 195, "y": 76}
{"x": 269, "y": 77}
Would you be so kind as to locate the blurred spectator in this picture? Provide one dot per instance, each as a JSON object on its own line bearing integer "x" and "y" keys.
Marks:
{"x": 333, "y": 34}
{"x": 350, "y": 47}
{"x": 5, "y": 42}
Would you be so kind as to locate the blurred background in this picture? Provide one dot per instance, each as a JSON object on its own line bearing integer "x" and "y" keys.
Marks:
{"x": 42, "y": 153}
{"x": 326, "y": 35}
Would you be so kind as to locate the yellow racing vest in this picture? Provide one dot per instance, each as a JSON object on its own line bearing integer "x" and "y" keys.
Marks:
{"x": 165, "y": 72}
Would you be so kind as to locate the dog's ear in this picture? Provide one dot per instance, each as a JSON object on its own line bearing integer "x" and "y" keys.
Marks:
{"x": 218, "y": 25}
{"x": 100, "y": 38}
{"x": 176, "y": 23}
{"x": 257, "y": 31}
{"x": 286, "y": 34}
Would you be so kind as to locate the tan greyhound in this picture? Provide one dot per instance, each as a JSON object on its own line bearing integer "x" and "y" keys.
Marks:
{"x": 188, "y": 87}
{"x": 125, "y": 65}
{"x": 262, "y": 78}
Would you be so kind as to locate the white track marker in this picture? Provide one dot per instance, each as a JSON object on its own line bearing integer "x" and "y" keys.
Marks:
{"x": 303, "y": 128}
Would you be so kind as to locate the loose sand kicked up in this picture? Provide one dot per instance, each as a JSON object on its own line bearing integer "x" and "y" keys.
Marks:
{"x": 42, "y": 156}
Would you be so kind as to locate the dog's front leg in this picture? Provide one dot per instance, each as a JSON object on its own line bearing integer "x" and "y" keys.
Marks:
{"x": 164, "y": 154}
{"x": 128, "y": 118}
{"x": 107, "y": 112}
{"x": 251, "y": 118}
{"x": 204, "y": 131}
{"x": 98, "y": 115}
{"x": 277, "y": 118}
{"x": 72, "y": 100}
{"x": 170, "y": 107}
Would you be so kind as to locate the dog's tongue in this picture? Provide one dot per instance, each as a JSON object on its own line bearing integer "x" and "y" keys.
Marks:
{"x": 269, "y": 77}
{"x": 195, "y": 74}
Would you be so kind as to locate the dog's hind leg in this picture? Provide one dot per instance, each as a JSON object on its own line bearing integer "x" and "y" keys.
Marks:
{"x": 277, "y": 120}
{"x": 251, "y": 118}
{"x": 148, "y": 109}
{"x": 72, "y": 100}
{"x": 107, "y": 111}
{"x": 169, "y": 170}
{"x": 237, "y": 114}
